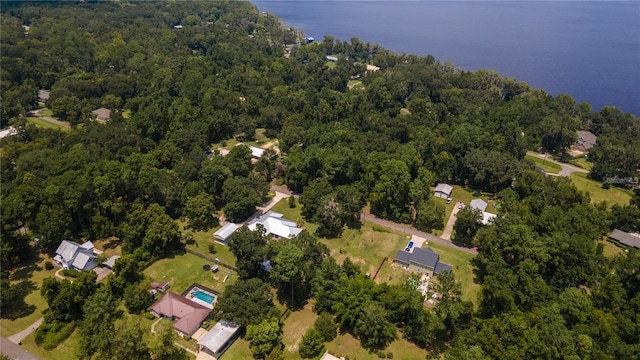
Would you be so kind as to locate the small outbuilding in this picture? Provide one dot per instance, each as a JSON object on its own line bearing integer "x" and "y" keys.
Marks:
{"x": 443, "y": 190}
{"x": 102, "y": 114}
{"x": 111, "y": 262}
{"x": 478, "y": 204}
{"x": 223, "y": 234}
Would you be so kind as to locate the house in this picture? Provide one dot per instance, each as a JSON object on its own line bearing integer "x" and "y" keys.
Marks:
{"x": 422, "y": 260}
{"x": 332, "y": 58}
{"x": 111, "y": 262}
{"x": 586, "y": 140}
{"x": 625, "y": 238}
{"x": 43, "y": 94}
{"x": 328, "y": 356}
{"x": 487, "y": 218}
{"x": 275, "y": 225}
{"x": 8, "y": 132}
{"x": 256, "y": 152}
{"x": 223, "y": 234}
{"x": 478, "y": 204}
{"x": 443, "y": 191}
{"x": 219, "y": 338}
{"x": 160, "y": 286}
{"x": 189, "y": 314}
{"x": 102, "y": 114}
{"x": 71, "y": 255}
{"x": 372, "y": 68}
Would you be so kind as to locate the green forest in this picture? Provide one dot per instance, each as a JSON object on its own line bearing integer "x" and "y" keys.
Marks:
{"x": 184, "y": 78}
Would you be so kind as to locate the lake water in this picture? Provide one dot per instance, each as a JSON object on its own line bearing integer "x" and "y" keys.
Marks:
{"x": 589, "y": 50}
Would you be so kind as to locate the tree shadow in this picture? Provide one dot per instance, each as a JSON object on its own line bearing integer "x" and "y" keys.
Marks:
{"x": 18, "y": 308}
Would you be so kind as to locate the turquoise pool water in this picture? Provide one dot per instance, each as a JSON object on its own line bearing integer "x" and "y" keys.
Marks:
{"x": 204, "y": 296}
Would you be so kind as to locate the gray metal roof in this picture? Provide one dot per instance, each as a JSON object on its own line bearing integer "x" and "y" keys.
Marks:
{"x": 626, "y": 238}
{"x": 67, "y": 250}
{"x": 111, "y": 262}
{"x": 478, "y": 204}
{"x": 219, "y": 335}
{"x": 226, "y": 231}
{"x": 444, "y": 188}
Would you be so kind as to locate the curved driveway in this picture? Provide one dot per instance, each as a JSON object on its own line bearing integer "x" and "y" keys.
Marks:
{"x": 567, "y": 169}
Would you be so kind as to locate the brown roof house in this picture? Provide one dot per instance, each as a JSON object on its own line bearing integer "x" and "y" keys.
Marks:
{"x": 586, "y": 140}
{"x": 189, "y": 314}
{"x": 102, "y": 114}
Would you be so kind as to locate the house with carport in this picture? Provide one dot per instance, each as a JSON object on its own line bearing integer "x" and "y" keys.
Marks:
{"x": 71, "y": 255}
{"x": 219, "y": 338}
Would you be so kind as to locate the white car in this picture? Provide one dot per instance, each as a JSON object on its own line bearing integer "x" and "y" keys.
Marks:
{"x": 449, "y": 200}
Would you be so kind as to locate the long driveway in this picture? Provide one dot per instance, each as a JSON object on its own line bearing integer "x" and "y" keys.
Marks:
{"x": 567, "y": 169}
{"x": 407, "y": 229}
{"x": 14, "y": 351}
{"x": 37, "y": 114}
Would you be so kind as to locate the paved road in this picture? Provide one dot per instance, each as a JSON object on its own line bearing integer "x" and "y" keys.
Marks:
{"x": 407, "y": 229}
{"x": 17, "y": 338}
{"x": 37, "y": 114}
{"x": 567, "y": 169}
{"x": 13, "y": 351}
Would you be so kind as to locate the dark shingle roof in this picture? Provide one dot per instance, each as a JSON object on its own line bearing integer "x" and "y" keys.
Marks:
{"x": 425, "y": 257}
{"x": 403, "y": 256}
{"x": 625, "y": 238}
{"x": 440, "y": 267}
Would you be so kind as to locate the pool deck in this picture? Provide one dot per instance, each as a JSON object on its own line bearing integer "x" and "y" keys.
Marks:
{"x": 187, "y": 294}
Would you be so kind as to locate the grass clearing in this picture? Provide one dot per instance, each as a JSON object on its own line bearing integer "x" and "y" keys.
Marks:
{"x": 44, "y": 124}
{"x": 355, "y": 85}
{"x": 47, "y": 112}
{"x": 239, "y": 350}
{"x": 610, "y": 249}
{"x": 183, "y": 270}
{"x": 582, "y": 162}
{"x": 65, "y": 351}
{"x": 295, "y": 326}
{"x": 462, "y": 269}
{"x": 547, "y": 166}
{"x": 202, "y": 241}
{"x": 294, "y": 214}
{"x": 611, "y": 196}
{"x": 28, "y": 277}
{"x": 346, "y": 345}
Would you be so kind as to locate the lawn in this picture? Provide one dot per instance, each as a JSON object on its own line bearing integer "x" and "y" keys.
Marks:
{"x": 346, "y": 345}
{"x": 462, "y": 269}
{"x": 612, "y": 196}
{"x": 610, "y": 249}
{"x": 183, "y": 270}
{"x": 295, "y": 326}
{"x": 64, "y": 351}
{"x": 547, "y": 166}
{"x": 355, "y": 84}
{"x": 239, "y": 350}
{"x": 294, "y": 214}
{"x": 47, "y": 112}
{"x": 260, "y": 139}
{"x": 581, "y": 162}
{"x": 459, "y": 193}
{"x": 44, "y": 124}
{"x": 20, "y": 315}
{"x": 202, "y": 241}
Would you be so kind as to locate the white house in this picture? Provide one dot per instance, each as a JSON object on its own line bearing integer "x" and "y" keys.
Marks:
{"x": 275, "y": 225}
{"x": 223, "y": 234}
{"x": 71, "y": 255}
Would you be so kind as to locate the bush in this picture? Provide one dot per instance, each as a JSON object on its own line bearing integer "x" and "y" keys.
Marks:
{"x": 381, "y": 354}
{"x": 71, "y": 273}
{"x": 292, "y": 202}
{"x": 389, "y": 355}
{"x": 326, "y": 326}
{"x": 212, "y": 248}
{"x": 149, "y": 316}
{"x": 52, "y": 335}
{"x": 48, "y": 265}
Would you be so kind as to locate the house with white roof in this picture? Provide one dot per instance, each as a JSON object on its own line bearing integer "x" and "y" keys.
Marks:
{"x": 71, "y": 255}
{"x": 223, "y": 234}
{"x": 219, "y": 338}
{"x": 275, "y": 225}
{"x": 487, "y": 217}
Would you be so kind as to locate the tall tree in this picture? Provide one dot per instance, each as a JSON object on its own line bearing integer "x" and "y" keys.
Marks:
{"x": 264, "y": 337}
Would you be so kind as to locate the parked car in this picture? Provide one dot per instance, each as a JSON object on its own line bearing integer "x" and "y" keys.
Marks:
{"x": 449, "y": 200}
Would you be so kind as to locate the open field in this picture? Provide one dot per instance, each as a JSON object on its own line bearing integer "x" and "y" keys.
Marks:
{"x": 295, "y": 326}
{"x": 612, "y": 196}
{"x": 44, "y": 124}
{"x": 29, "y": 278}
{"x": 183, "y": 270}
{"x": 545, "y": 165}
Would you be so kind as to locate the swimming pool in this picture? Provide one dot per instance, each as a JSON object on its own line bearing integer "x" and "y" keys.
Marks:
{"x": 203, "y": 296}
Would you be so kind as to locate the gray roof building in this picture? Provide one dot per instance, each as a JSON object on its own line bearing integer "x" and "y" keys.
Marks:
{"x": 224, "y": 233}
{"x": 219, "y": 338}
{"x": 102, "y": 113}
{"x": 625, "y": 238}
{"x": 422, "y": 258}
{"x": 71, "y": 255}
{"x": 443, "y": 190}
{"x": 111, "y": 262}
{"x": 586, "y": 140}
{"x": 478, "y": 204}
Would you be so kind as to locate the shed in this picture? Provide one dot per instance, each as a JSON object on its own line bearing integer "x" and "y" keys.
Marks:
{"x": 219, "y": 338}
{"x": 443, "y": 190}
{"x": 478, "y": 204}
{"x": 223, "y": 234}
{"x": 102, "y": 114}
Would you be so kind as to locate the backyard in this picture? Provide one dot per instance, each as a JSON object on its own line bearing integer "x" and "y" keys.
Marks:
{"x": 598, "y": 194}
